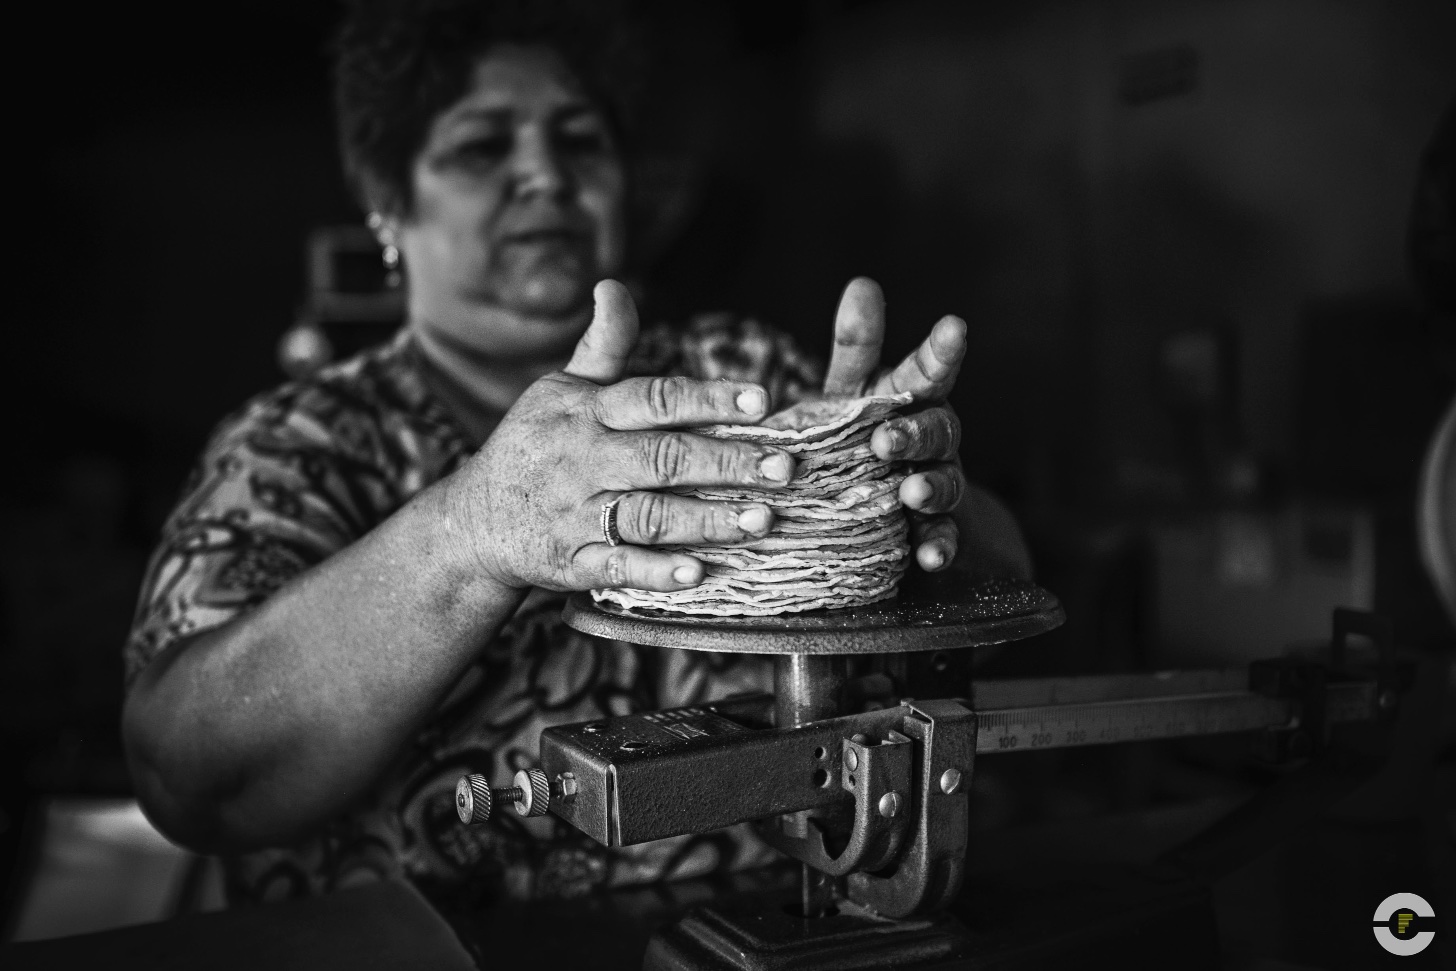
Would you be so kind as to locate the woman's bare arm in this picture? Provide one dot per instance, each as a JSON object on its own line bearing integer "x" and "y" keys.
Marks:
{"x": 251, "y": 733}
{"x": 256, "y": 731}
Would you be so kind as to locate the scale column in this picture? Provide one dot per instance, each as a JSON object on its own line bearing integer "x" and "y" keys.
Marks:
{"x": 809, "y": 688}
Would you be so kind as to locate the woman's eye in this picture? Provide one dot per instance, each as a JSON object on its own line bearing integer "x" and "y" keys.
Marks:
{"x": 492, "y": 148}
{"x": 582, "y": 142}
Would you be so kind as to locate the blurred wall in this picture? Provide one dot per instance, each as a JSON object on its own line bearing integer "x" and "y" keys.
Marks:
{"x": 999, "y": 161}
{"x": 175, "y": 165}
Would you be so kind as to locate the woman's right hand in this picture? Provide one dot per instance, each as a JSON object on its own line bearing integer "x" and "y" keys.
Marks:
{"x": 529, "y": 504}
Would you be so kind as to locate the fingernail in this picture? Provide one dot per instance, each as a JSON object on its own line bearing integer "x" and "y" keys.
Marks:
{"x": 935, "y": 558}
{"x": 686, "y": 574}
{"x": 897, "y": 440}
{"x": 922, "y": 490}
{"x": 775, "y": 467}
{"x": 752, "y": 401}
{"x": 754, "y": 519}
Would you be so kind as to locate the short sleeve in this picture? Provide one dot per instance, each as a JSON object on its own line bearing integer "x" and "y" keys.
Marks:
{"x": 290, "y": 480}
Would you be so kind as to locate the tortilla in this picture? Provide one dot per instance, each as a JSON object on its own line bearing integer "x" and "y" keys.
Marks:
{"x": 856, "y": 499}
{"x": 840, "y": 537}
{"x": 810, "y": 421}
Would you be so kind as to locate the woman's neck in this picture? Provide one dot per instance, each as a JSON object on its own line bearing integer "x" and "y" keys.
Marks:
{"x": 474, "y": 386}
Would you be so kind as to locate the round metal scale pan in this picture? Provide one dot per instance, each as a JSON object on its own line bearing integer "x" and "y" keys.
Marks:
{"x": 933, "y": 612}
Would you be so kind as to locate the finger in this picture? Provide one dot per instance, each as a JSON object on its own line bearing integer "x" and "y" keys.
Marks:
{"x": 657, "y": 517}
{"x": 859, "y": 331}
{"x": 601, "y": 354}
{"x": 930, "y": 372}
{"x": 598, "y": 565}
{"x": 936, "y": 540}
{"x": 659, "y": 460}
{"x": 640, "y": 403}
{"x": 932, "y": 434}
{"x": 937, "y": 489}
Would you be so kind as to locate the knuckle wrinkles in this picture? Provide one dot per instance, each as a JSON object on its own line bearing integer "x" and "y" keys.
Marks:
{"x": 651, "y": 519}
{"x": 662, "y": 396}
{"x": 735, "y": 464}
{"x": 668, "y": 457}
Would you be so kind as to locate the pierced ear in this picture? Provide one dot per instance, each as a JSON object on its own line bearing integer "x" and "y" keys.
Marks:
{"x": 382, "y": 202}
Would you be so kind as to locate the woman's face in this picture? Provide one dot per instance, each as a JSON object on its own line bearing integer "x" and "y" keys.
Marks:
{"x": 519, "y": 209}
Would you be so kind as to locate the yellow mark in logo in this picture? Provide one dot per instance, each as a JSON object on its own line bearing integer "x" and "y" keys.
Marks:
{"x": 1392, "y": 921}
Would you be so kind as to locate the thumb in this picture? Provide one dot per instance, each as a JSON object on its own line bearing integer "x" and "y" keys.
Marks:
{"x": 601, "y": 354}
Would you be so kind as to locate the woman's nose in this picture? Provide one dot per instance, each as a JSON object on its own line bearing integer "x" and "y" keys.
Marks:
{"x": 536, "y": 165}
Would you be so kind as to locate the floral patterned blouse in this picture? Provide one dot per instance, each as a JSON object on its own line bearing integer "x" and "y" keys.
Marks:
{"x": 302, "y": 471}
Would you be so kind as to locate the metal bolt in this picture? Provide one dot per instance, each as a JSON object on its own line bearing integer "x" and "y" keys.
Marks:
{"x": 851, "y": 759}
{"x": 890, "y": 804}
{"x": 475, "y": 800}
{"x": 950, "y": 781}
{"x": 566, "y": 786}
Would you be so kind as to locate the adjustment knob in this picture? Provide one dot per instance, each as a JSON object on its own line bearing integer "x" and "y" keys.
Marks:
{"x": 473, "y": 799}
{"x": 535, "y": 792}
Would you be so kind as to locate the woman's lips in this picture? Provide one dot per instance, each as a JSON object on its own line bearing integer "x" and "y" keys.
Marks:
{"x": 545, "y": 236}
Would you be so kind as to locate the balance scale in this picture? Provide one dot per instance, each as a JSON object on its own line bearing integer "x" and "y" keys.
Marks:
{"x": 868, "y": 788}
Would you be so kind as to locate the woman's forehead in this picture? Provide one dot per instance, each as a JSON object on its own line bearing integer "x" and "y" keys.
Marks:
{"x": 520, "y": 79}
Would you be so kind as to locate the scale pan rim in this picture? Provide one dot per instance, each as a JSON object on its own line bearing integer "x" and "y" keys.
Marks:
{"x": 941, "y": 611}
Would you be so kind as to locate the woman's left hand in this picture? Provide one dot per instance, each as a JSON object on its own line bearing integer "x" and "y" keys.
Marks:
{"x": 929, "y": 434}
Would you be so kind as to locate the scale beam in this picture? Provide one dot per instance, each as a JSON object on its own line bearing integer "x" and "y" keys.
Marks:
{"x": 1046, "y": 726}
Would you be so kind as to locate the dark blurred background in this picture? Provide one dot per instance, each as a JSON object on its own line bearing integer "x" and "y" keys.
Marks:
{"x": 1200, "y": 371}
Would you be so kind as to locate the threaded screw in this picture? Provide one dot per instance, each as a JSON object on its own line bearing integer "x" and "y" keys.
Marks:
{"x": 475, "y": 800}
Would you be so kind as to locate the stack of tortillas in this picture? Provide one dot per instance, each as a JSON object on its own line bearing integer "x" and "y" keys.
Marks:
{"x": 839, "y": 539}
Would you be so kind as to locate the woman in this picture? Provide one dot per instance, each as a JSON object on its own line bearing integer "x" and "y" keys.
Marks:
{"x": 358, "y": 597}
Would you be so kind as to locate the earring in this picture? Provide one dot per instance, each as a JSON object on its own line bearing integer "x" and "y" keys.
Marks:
{"x": 392, "y": 275}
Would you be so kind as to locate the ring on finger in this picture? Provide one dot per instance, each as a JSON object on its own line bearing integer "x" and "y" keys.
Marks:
{"x": 609, "y": 523}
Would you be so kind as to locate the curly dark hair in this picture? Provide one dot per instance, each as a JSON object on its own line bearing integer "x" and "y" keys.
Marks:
{"x": 399, "y": 63}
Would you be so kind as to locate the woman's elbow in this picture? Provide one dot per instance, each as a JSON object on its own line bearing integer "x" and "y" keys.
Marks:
{"x": 175, "y": 801}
